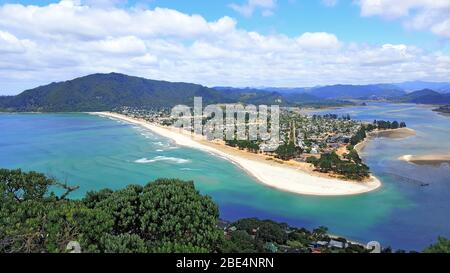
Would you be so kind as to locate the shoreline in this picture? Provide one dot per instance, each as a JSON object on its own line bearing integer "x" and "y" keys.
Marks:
{"x": 432, "y": 160}
{"x": 399, "y": 133}
{"x": 288, "y": 176}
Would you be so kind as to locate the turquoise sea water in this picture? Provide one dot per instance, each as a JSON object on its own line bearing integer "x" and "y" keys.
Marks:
{"x": 95, "y": 152}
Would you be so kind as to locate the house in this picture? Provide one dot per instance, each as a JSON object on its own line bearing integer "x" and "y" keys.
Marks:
{"x": 232, "y": 229}
{"x": 337, "y": 244}
{"x": 319, "y": 244}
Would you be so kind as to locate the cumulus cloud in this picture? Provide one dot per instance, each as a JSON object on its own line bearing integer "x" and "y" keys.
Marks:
{"x": 60, "y": 41}
{"x": 431, "y": 15}
{"x": 248, "y": 8}
{"x": 318, "y": 40}
{"x": 10, "y": 44}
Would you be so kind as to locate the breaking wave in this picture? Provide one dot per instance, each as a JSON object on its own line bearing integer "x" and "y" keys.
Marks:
{"x": 163, "y": 158}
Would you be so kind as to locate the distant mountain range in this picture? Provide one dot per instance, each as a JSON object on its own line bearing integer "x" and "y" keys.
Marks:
{"x": 433, "y": 93}
{"x": 425, "y": 96}
{"x": 442, "y": 87}
{"x": 273, "y": 96}
{"x": 364, "y": 92}
{"x": 100, "y": 92}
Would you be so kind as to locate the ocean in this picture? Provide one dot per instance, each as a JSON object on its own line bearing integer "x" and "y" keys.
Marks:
{"x": 96, "y": 152}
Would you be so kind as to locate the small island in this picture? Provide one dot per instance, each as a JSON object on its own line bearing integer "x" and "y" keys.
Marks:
{"x": 431, "y": 160}
{"x": 445, "y": 109}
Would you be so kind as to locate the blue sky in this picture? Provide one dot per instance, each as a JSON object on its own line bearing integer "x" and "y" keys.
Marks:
{"x": 378, "y": 32}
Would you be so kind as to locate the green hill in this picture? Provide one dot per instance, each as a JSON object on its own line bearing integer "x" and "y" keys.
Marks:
{"x": 102, "y": 92}
{"x": 425, "y": 96}
{"x": 99, "y": 92}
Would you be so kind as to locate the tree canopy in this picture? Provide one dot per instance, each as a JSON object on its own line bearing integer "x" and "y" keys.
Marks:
{"x": 350, "y": 167}
{"x": 166, "y": 215}
{"x": 442, "y": 246}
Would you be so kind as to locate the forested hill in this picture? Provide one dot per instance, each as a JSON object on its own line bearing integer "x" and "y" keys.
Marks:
{"x": 101, "y": 92}
{"x": 425, "y": 96}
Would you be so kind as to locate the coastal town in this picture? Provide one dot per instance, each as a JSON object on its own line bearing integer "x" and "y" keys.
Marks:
{"x": 252, "y": 235}
{"x": 324, "y": 144}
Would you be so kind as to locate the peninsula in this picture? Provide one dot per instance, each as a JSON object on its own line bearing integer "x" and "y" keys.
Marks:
{"x": 291, "y": 177}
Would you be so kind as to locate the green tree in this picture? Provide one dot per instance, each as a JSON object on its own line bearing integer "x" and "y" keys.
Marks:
{"x": 320, "y": 233}
{"x": 270, "y": 231}
{"x": 239, "y": 242}
{"x": 122, "y": 205}
{"x": 164, "y": 216}
{"x": 123, "y": 243}
{"x": 395, "y": 125}
{"x": 354, "y": 156}
{"x": 174, "y": 211}
{"x": 287, "y": 151}
{"x": 442, "y": 246}
{"x": 20, "y": 186}
{"x": 32, "y": 219}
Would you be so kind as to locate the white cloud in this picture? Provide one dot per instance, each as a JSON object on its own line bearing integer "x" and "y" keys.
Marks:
{"x": 70, "y": 20}
{"x": 431, "y": 15}
{"x": 37, "y": 48}
{"x": 128, "y": 45}
{"x": 248, "y": 8}
{"x": 318, "y": 40}
{"x": 387, "y": 54}
{"x": 10, "y": 44}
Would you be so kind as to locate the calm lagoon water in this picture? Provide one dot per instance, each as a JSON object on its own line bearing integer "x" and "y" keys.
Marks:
{"x": 95, "y": 153}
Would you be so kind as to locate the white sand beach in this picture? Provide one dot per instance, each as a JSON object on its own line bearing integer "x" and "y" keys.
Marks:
{"x": 432, "y": 160}
{"x": 399, "y": 133}
{"x": 279, "y": 176}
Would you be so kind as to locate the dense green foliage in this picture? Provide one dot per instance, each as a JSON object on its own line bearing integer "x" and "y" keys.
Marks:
{"x": 266, "y": 231}
{"x": 287, "y": 151}
{"x": 163, "y": 216}
{"x": 361, "y": 134}
{"x": 442, "y": 246}
{"x": 350, "y": 167}
{"x": 386, "y": 125}
{"x": 251, "y": 146}
{"x": 255, "y": 236}
{"x": 240, "y": 241}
